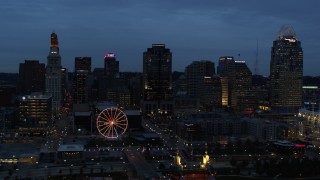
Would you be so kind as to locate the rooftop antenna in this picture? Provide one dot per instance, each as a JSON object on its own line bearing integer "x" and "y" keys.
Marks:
{"x": 256, "y": 62}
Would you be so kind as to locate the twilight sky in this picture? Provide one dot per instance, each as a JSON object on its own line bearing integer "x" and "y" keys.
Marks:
{"x": 193, "y": 30}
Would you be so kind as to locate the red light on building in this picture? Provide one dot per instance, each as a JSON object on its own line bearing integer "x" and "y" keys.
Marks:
{"x": 54, "y": 40}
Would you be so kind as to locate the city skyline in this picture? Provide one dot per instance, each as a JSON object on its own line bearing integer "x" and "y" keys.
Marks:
{"x": 192, "y": 31}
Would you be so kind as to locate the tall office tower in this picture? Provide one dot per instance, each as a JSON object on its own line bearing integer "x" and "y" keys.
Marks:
{"x": 240, "y": 94}
{"x": 157, "y": 81}
{"x": 53, "y": 73}
{"x": 200, "y": 82}
{"x": 209, "y": 90}
{"x": 226, "y": 71}
{"x": 111, "y": 65}
{"x": 195, "y": 73}
{"x": 31, "y": 77}
{"x": 225, "y": 66}
{"x": 82, "y": 63}
{"x": 217, "y": 91}
{"x": 286, "y": 70}
{"x": 35, "y": 112}
{"x": 80, "y": 79}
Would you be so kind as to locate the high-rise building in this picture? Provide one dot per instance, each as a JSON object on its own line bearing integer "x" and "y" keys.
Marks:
{"x": 111, "y": 65}
{"x": 157, "y": 81}
{"x": 236, "y": 82}
{"x": 226, "y": 72}
{"x": 53, "y": 73}
{"x": 31, "y": 77}
{"x": 201, "y": 83}
{"x": 80, "y": 79}
{"x": 195, "y": 72}
{"x": 35, "y": 112}
{"x": 82, "y": 63}
{"x": 286, "y": 71}
{"x": 217, "y": 91}
{"x": 241, "y": 96}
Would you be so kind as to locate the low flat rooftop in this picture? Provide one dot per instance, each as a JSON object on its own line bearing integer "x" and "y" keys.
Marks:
{"x": 17, "y": 149}
{"x": 70, "y": 148}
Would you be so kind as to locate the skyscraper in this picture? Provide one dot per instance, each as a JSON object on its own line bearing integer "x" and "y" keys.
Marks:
{"x": 241, "y": 96}
{"x": 195, "y": 72}
{"x": 53, "y": 73}
{"x": 226, "y": 71}
{"x": 111, "y": 65}
{"x": 236, "y": 81}
{"x": 82, "y": 63}
{"x": 157, "y": 81}
{"x": 80, "y": 79}
{"x": 31, "y": 77}
{"x": 286, "y": 71}
{"x": 201, "y": 83}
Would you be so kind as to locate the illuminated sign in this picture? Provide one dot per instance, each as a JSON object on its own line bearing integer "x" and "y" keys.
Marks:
{"x": 290, "y": 40}
{"x": 240, "y": 61}
{"x": 225, "y": 58}
{"x": 110, "y": 55}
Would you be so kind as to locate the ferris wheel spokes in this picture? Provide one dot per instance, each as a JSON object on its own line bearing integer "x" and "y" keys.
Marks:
{"x": 112, "y": 123}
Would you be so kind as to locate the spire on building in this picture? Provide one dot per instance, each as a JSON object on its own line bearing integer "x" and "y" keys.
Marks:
{"x": 54, "y": 40}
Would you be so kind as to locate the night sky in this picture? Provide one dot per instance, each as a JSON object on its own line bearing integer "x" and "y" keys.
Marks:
{"x": 193, "y": 30}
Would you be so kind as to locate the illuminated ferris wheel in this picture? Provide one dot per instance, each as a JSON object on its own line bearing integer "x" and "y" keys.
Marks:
{"x": 112, "y": 123}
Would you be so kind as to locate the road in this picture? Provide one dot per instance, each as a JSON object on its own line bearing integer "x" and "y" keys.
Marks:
{"x": 143, "y": 168}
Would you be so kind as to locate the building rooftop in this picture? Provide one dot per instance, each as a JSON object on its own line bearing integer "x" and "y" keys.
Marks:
{"x": 132, "y": 112}
{"x": 17, "y": 149}
{"x": 36, "y": 95}
{"x": 82, "y": 113}
{"x": 81, "y": 108}
{"x": 70, "y": 148}
{"x": 104, "y": 105}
